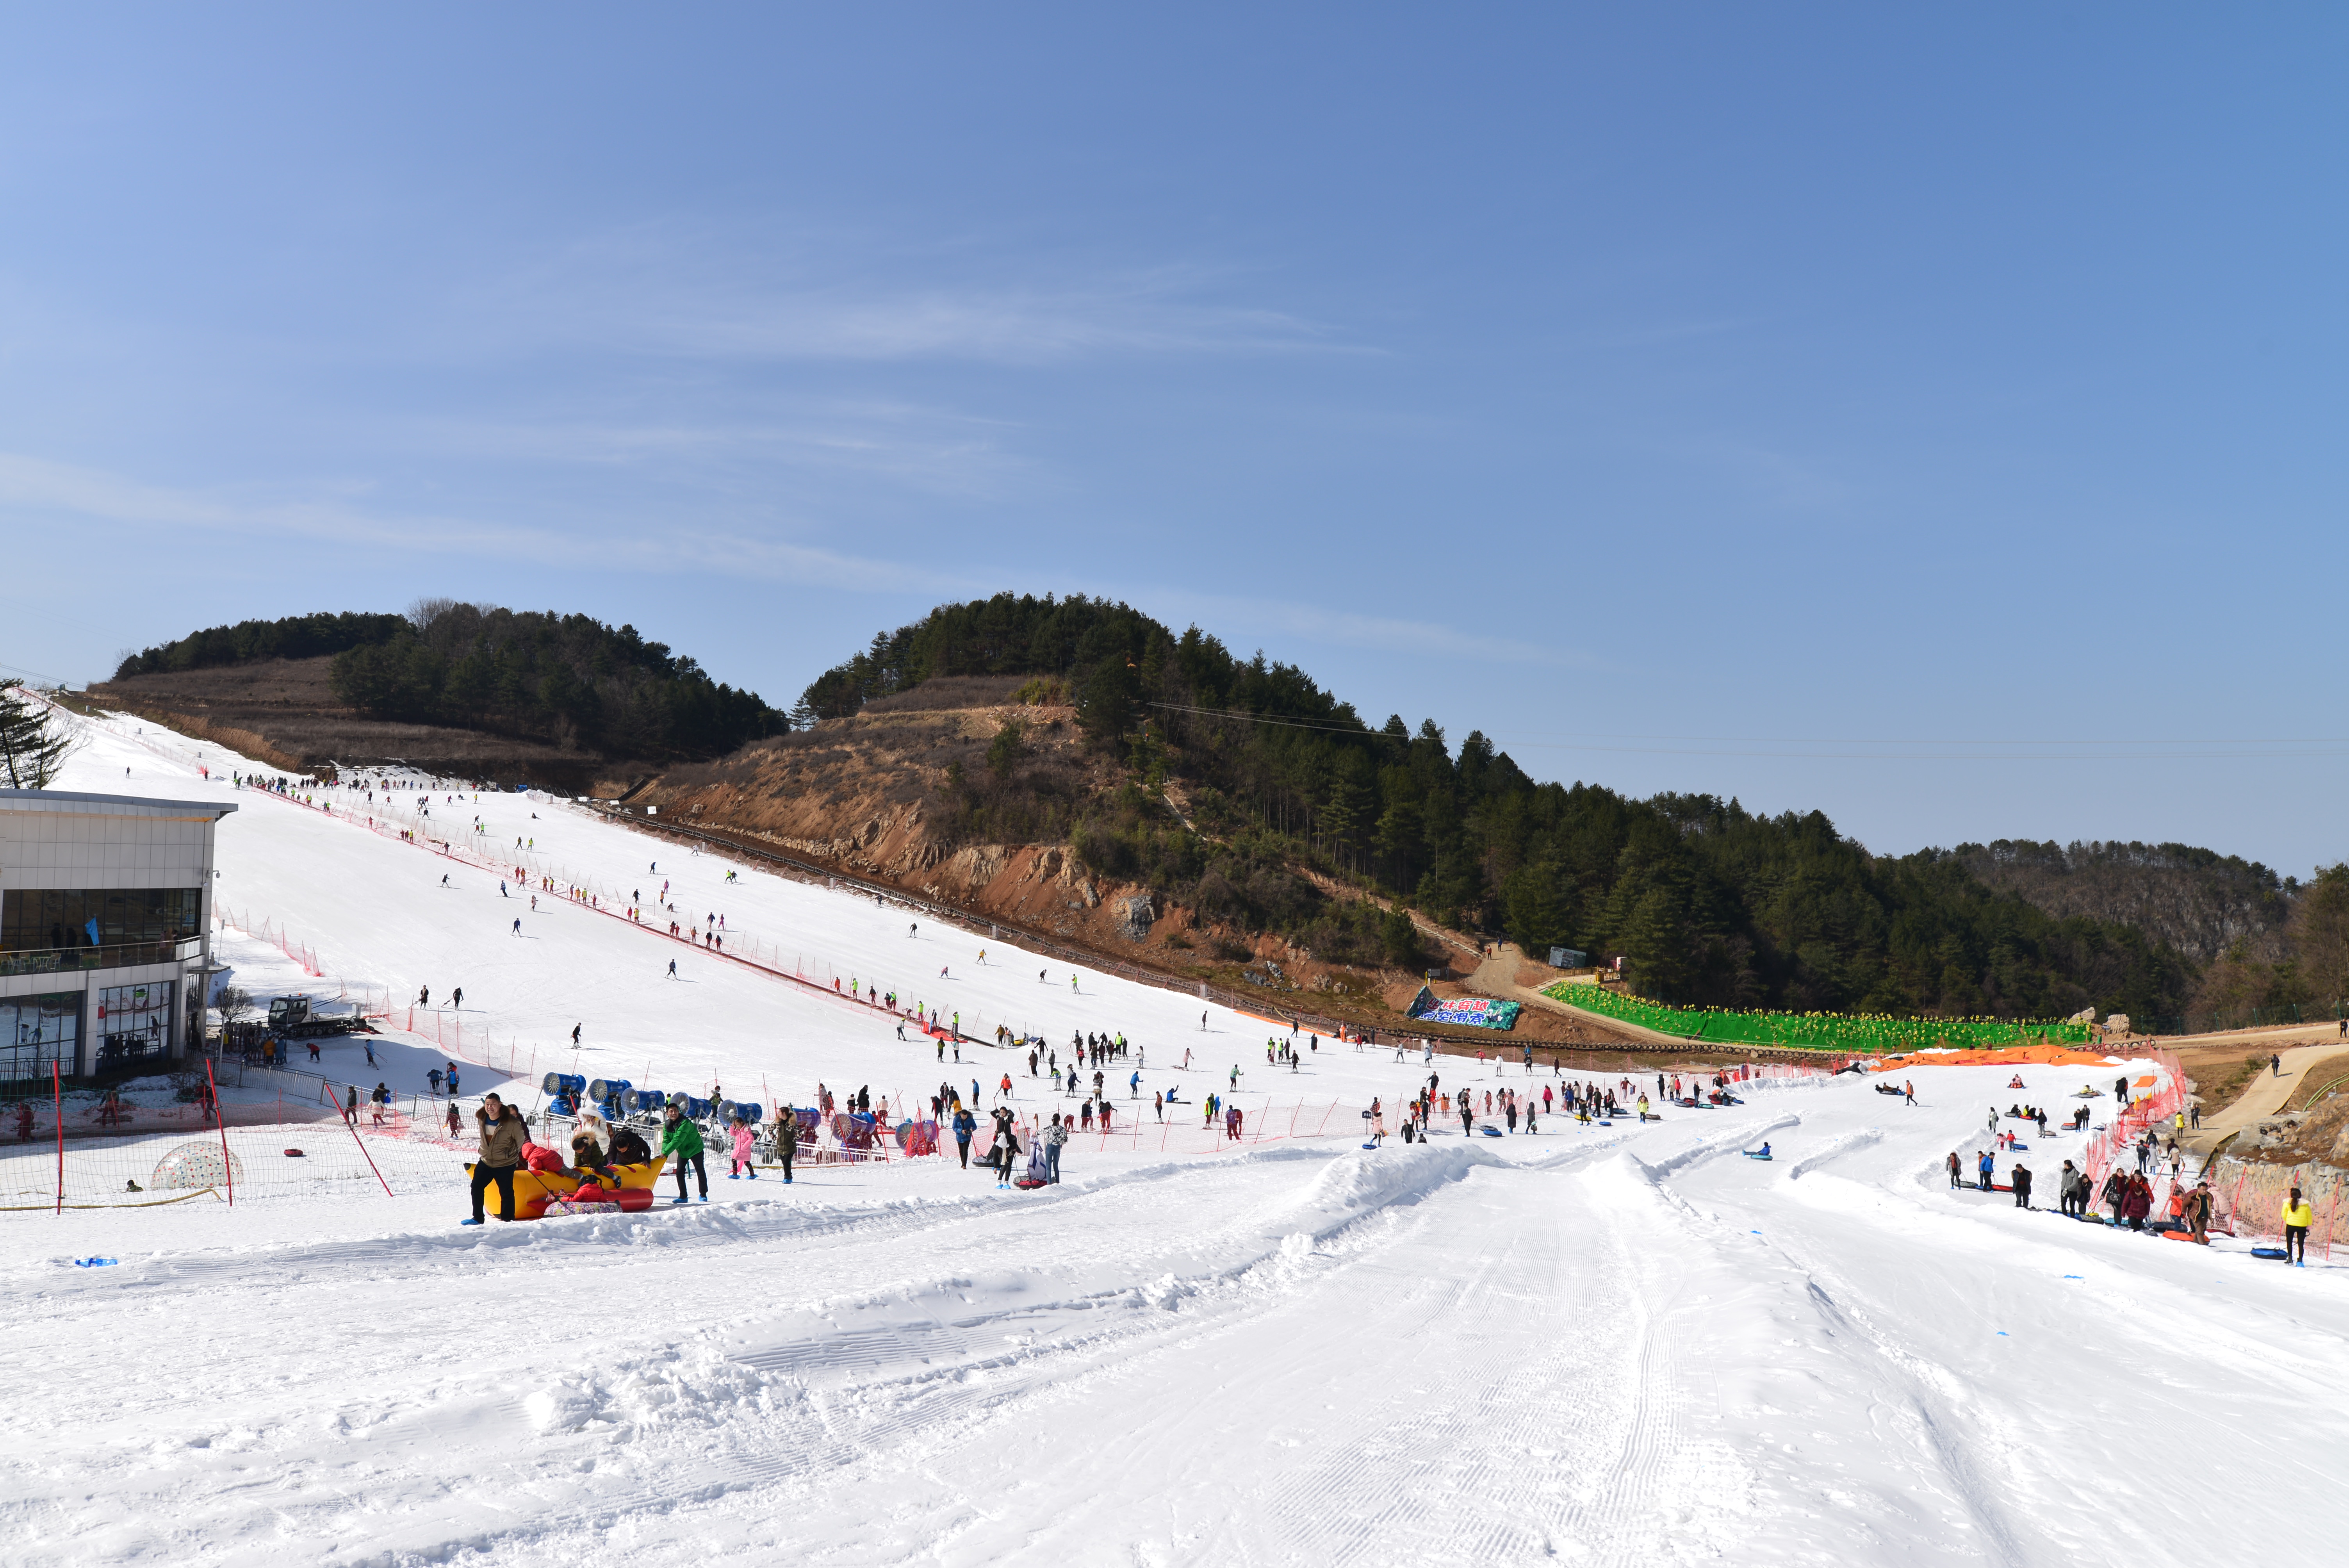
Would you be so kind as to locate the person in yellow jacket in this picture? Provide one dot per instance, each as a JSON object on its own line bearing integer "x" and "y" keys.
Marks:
{"x": 2297, "y": 1218}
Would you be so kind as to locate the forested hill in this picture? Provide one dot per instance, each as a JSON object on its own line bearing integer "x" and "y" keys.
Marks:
{"x": 294, "y": 637}
{"x": 1705, "y": 901}
{"x": 568, "y": 680}
{"x": 2198, "y": 901}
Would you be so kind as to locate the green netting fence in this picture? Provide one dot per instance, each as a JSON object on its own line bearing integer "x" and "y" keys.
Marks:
{"x": 1858, "y": 1034}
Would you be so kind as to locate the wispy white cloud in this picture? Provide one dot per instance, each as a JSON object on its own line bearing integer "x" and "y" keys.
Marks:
{"x": 1778, "y": 479}
{"x": 35, "y": 491}
{"x": 670, "y": 289}
{"x": 1351, "y": 629}
{"x": 925, "y": 449}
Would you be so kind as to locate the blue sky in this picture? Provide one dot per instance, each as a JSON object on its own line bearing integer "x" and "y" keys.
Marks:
{"x": 1932, "y": 418}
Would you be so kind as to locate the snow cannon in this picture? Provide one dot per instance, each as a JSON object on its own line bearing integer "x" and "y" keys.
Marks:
{"x": 561, "y": 1083}
{"x": 750, "y": 1110}
{"x": 694, "y": 1109}
{"x": 650, "y": 1100}
{"x": 608, "y": 1088}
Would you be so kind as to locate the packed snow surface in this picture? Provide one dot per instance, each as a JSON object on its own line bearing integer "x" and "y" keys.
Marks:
{"x": 1611, "y": 1344}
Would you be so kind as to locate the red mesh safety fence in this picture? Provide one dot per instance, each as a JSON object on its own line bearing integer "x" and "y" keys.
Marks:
{"x": 308, "y": 1160}
{"x": 2252, "y": 1196}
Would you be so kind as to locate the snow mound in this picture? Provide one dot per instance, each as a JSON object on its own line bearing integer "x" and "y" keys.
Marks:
{"x": 1835, "y": 1149}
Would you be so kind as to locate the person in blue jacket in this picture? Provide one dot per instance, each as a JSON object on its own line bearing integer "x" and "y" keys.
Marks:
{"x": 965, "y": 1124}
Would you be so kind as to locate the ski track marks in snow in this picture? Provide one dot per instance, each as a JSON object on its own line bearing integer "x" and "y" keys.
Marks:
{"x": 1604, "y": 1347}
{"x": 1834, "y": 1148}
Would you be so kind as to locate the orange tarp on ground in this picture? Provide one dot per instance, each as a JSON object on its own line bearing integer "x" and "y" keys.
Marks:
{"x": 2011, "y": 1056}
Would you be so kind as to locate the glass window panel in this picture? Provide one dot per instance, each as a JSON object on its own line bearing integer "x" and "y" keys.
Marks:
{"x": 133, "y": 1022}
{"x": 37, "y": 1031}
{"x": 42, "y": 918}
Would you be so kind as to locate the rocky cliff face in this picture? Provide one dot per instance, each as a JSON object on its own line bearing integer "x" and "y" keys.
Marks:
{"x": 869, "y": 795}
{"x": 877, "y": 796}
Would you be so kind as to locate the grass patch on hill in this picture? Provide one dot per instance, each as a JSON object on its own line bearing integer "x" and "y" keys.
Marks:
{"x": 1858, "y": 1034}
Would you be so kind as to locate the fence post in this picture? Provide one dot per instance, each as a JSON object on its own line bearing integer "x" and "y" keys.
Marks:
{"x": 57, "y": 1103}
{"x": 228, "y": 1171}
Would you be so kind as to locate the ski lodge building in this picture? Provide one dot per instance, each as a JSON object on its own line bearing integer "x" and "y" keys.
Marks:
{"x": 105, "y": 931}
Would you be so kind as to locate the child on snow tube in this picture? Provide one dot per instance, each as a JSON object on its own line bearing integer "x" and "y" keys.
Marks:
{"x": 586, "y": 1154}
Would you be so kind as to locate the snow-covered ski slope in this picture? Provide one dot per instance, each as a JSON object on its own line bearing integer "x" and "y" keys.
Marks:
{"x": 1618, "y": 1346}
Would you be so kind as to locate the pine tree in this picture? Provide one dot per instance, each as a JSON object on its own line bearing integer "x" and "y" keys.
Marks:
{"x": 33, "y": 745}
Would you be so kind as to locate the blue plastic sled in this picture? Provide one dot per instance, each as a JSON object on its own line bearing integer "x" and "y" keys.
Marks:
{"x": 2269, "y": 1252}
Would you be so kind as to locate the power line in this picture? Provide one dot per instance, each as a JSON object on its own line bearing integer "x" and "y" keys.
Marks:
{"x": 36, "y": 675}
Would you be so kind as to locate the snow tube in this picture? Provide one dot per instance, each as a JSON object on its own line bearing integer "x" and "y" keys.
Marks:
{"x": 536, "y": 1191}
{"x": 1490, "y": 1131}
{"x": 2277, "y": 1253}
{"x": 1028, "y": 1183}
{"x": 1754, "y": 1154}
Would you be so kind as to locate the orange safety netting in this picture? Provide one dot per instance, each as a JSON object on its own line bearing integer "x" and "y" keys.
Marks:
{"x": 2009, "y": 1056}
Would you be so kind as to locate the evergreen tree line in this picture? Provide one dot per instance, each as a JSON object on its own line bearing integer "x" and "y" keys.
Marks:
{"x": 295, "y": 637}
{"x": 568, "y": 679}
{"x": 1705, "y": 901}
{"x": 33, "y": 745}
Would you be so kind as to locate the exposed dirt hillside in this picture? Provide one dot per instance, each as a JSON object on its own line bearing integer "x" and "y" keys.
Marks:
{"x": 868, "y": 795}
{"x": 285, "y": 712}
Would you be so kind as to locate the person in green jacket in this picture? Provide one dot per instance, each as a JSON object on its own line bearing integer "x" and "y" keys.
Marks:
{"x": 682, "y": 1139}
